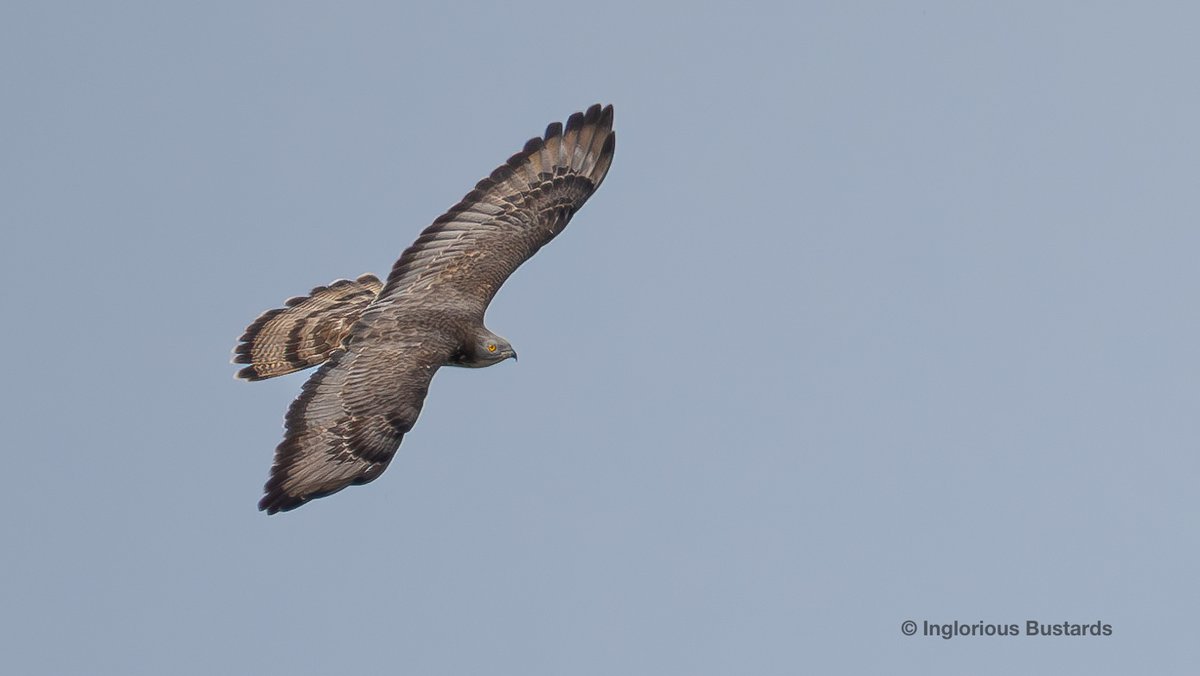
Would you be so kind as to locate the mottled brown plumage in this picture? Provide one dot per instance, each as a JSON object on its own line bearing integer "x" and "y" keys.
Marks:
{"x": 381, "y": 347}
{"x": 306, "y": 330}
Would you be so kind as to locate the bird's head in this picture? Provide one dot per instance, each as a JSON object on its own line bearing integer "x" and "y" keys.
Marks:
{"x": 486, "y": 349}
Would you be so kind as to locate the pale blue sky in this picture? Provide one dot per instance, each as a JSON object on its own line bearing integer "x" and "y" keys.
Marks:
{"x": 885, "y": 312}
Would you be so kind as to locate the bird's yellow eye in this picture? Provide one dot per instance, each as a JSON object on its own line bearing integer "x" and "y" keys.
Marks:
{"x": 491, "y": 347}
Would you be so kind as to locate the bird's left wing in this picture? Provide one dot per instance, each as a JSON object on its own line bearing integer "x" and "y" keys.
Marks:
{"x": 350, "y": 417}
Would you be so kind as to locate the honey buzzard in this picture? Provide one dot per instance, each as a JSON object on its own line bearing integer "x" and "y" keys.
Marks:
{"x": 379, "y": 344}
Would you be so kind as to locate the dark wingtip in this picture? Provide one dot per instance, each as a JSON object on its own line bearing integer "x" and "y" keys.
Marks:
{"x": 574, "y": 122}
{"x": 554, "y": 129}
{"x": 274, "y": 498}
{"x": 275, "y": 501}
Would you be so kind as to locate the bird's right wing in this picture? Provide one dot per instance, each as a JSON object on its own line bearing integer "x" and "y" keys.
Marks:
{"x": 350, "y": 417}
{"x": 461, "y": 260}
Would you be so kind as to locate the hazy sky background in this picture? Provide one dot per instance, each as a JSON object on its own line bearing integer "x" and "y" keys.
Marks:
{"x": 884, "y": 313}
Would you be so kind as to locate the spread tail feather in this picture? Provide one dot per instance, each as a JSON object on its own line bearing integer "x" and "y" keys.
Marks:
{"x": 305, "y": 331}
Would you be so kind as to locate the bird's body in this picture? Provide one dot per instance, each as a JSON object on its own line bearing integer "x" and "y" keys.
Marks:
{"x": 381, "y": 343}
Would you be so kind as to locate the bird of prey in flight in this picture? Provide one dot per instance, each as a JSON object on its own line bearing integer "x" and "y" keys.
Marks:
{"x": 379, "y": 343}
